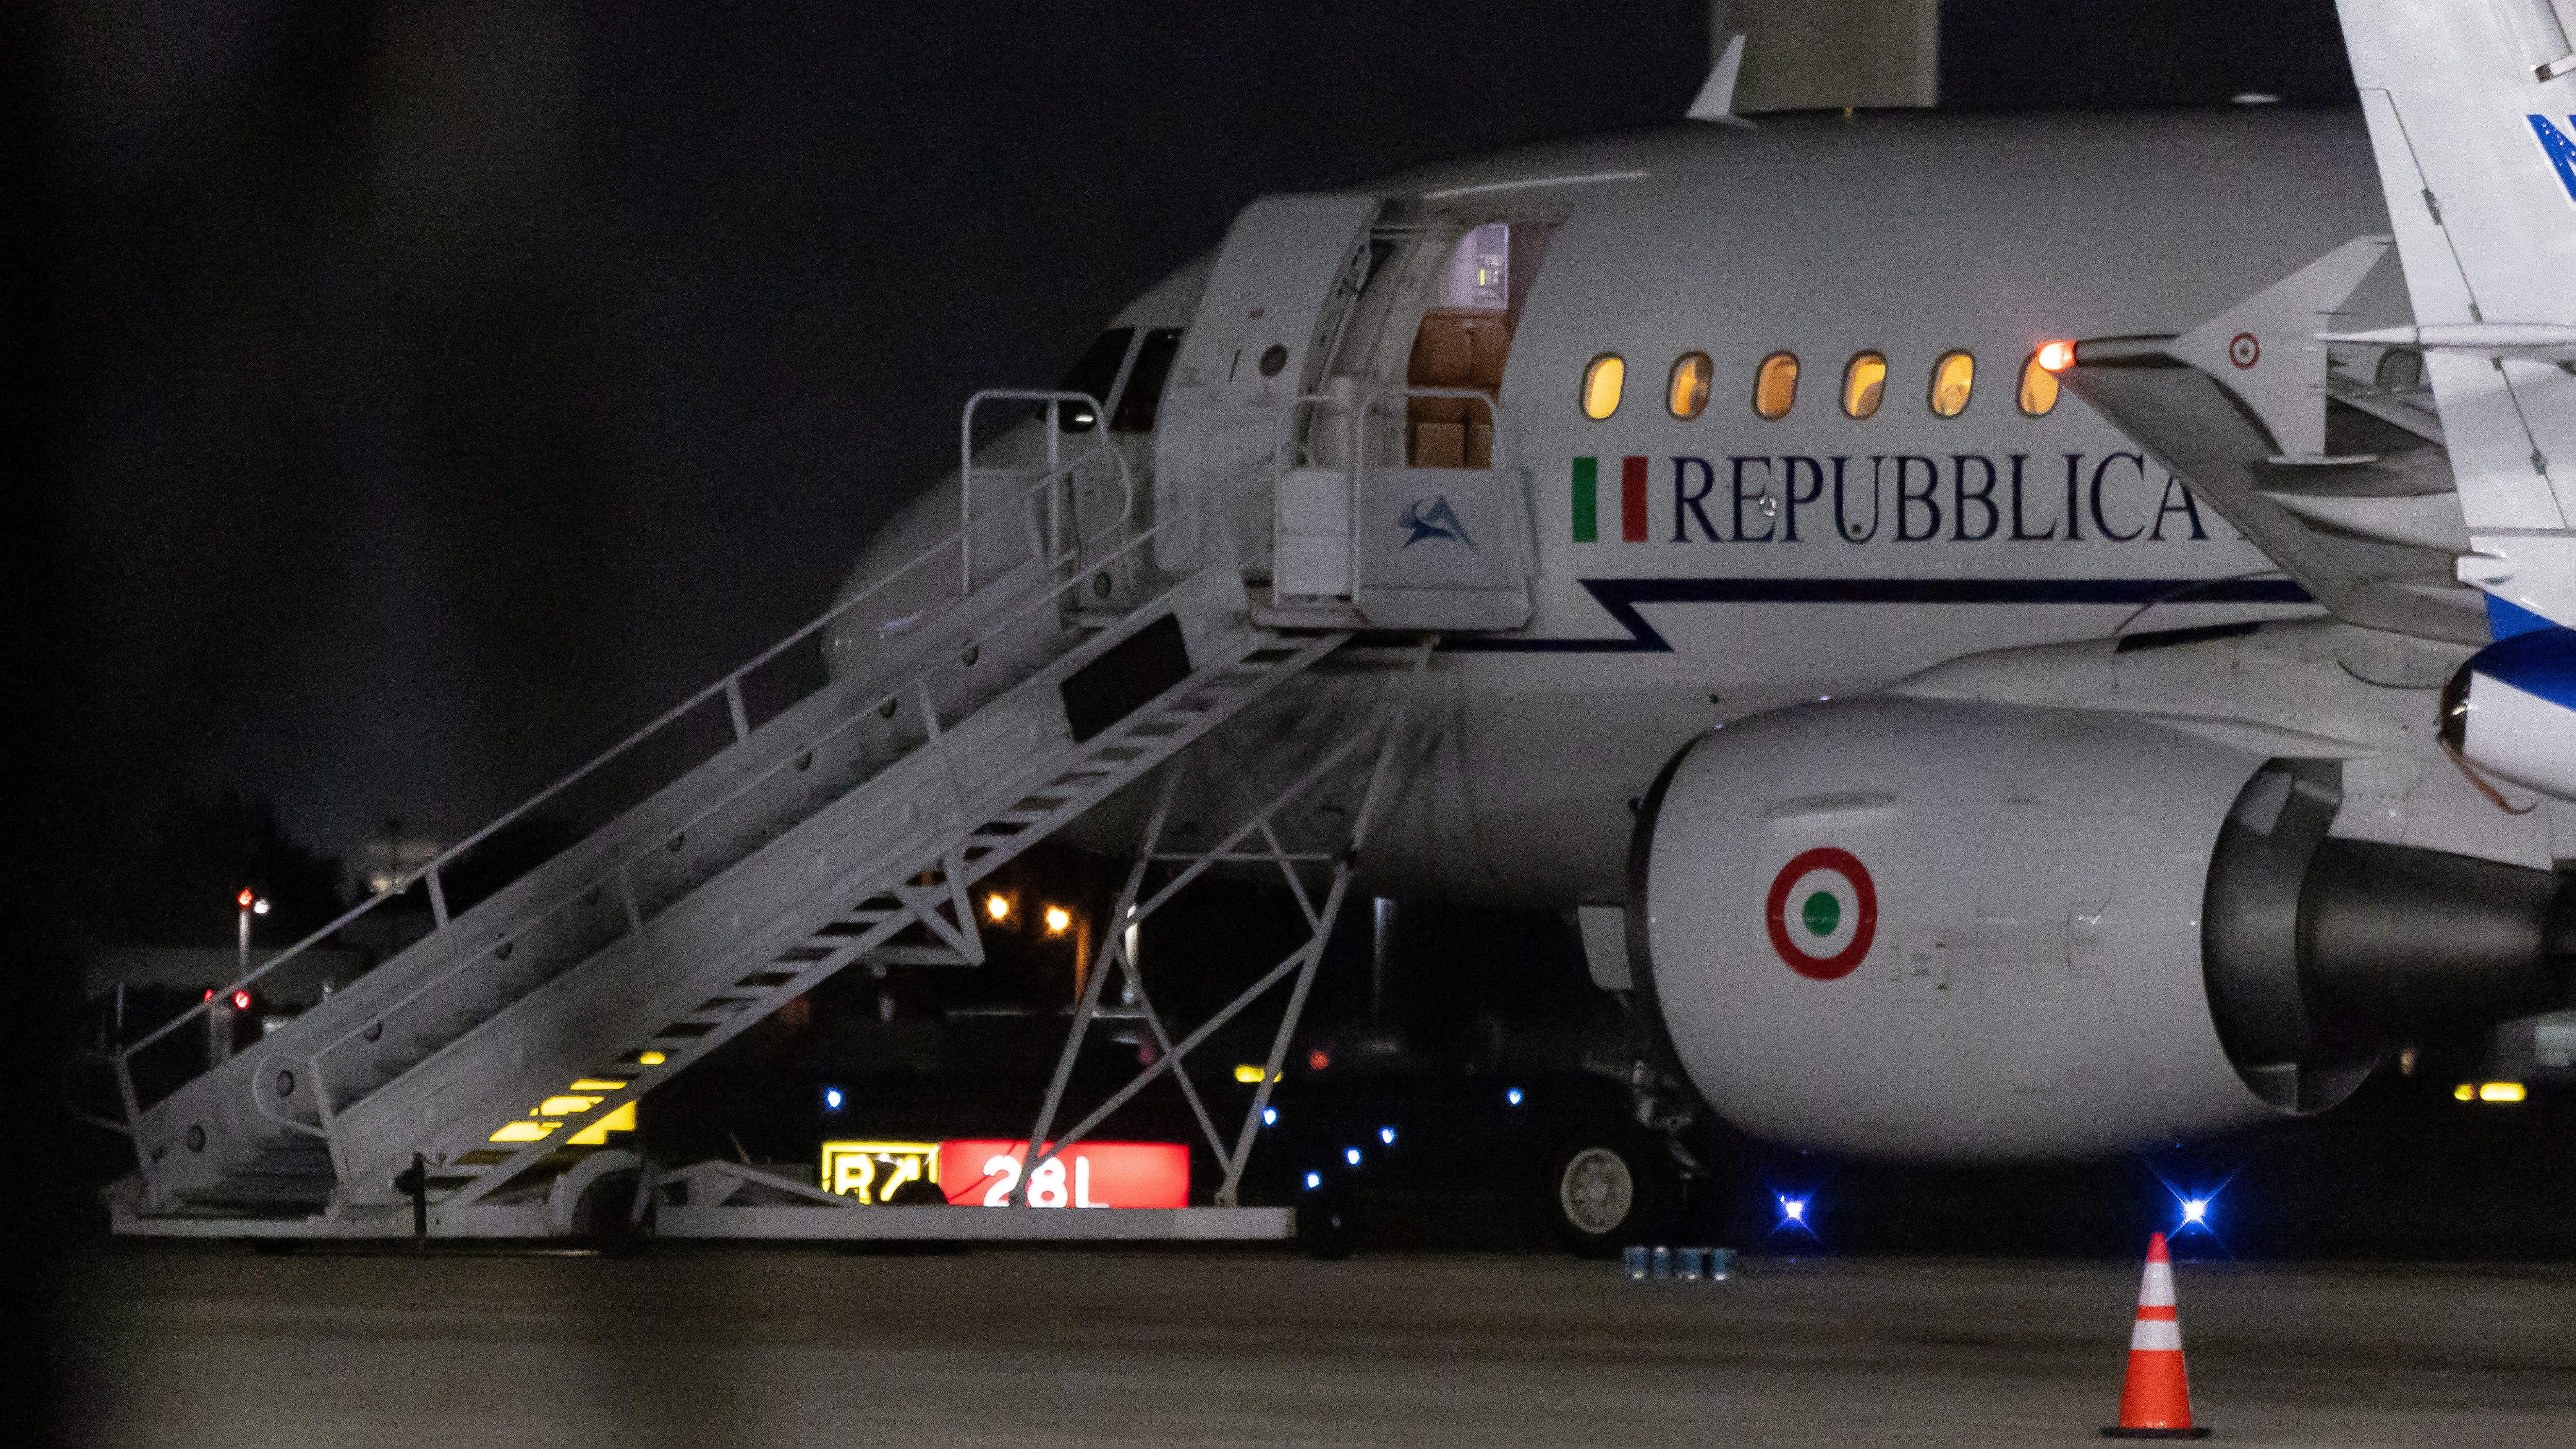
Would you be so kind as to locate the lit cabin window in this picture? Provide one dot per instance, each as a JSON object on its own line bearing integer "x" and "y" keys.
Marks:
{"x": 1952, "y": 377}
{"x": 1688, "y": 397}
{"x": 1601, "y": 383}
{"x": 2038, "y": 394}
{"x": 1864, "y": 384}
{"x": 1775, "y": 387}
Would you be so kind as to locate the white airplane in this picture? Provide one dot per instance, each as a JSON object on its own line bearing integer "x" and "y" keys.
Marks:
{"x": 1919, "y": 585}
{"x": 1959, "y": 607}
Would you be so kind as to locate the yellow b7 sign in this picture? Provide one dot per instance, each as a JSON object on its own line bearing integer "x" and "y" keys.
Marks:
{"x": 873, "y": 1171}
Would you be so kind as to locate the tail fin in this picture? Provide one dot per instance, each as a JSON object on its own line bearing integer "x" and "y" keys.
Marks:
{"x": 2472, "y": 109}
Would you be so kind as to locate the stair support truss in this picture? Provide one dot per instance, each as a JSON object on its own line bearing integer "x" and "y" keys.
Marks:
{"x": 1320, "y": 908}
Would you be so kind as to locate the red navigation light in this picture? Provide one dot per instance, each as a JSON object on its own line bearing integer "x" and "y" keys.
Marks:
{"x": 2056, "y": 356}
{"x": 241, "y": 1001}
{"x": 1318, "y": 1059}
{"x": 246, "y": 897}
{"x": 209, "y": 996}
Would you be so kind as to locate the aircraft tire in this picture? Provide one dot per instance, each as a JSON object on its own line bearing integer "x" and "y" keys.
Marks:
{"x": 1611, "y": 1189}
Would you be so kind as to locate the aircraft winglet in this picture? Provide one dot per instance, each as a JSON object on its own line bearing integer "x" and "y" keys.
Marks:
{"x": 1716, "y": 98}
{"x": 2267, "y": 351}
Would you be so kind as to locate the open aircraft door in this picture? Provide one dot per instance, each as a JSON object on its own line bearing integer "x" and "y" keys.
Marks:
{"x": 1274, "y": 307}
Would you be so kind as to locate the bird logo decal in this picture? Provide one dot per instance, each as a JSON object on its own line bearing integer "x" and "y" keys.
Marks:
{"x": 1437, "y": 520}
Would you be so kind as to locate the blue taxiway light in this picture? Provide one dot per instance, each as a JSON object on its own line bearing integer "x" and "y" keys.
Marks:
{"x": 1269, "y": 1116}
{"x": 1351, "y": 1155}
{"x": 1314, "y": 1179}
{"x": 1513, "y": 1096}
{"x": 1794, "y": 1209}
{"x": 1386, "y": 1135}
{"x": 2195, "y": 1211}
{"x": 831, "y": 1099}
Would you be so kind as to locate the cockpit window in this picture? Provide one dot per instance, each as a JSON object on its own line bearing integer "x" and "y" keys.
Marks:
{"x": 1864, "y": 384}
{"x": 1142, "y": 398}
{"x": 1093, "y": 375}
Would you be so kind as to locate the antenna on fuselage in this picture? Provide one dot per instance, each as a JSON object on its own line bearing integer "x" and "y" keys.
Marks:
{"x": 1716, "y": 98}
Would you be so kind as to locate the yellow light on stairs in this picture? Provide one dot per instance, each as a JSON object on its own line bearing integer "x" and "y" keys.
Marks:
{"x": 596, "y": 1084}
{"x": 651, "y": 1059}
{"x": 565, "y": 1106}
{"x": 525, "y": 1132}
{"x": 596, "y": 1134}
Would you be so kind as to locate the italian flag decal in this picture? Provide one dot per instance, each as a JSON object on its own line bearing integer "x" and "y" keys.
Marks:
{"x": 1823, "y": 913}
{"x": 1587, "y": 500}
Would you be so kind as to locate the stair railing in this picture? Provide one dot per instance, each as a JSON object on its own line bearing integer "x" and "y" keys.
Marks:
{"x": 1055, "y": 467}
{"x": 729, "y": 688}
{"x": 267, "y": 1085}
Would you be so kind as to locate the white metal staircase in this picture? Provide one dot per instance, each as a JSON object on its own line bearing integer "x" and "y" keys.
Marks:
{"x": 519, "y": 1030}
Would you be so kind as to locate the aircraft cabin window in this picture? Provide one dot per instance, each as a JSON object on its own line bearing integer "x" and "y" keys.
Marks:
{"x": 1601, "y": 383}
{"x": 1142, "y": 398}
{"x": 1688, "y": 395}
{"x": 1775, "y": 386}
{"x": 1094, "y": 375}
{"x": 2038, "y": 395}
{"x": 1864, "y": 384}
{"x": 1952, "y": 378}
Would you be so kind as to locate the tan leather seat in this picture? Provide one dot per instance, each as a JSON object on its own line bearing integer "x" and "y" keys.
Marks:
{"x": 1453, "y": 350}
{"x": 1491, "y": 343}
{"x": 1444, "y": 355}
{"x": 1439, "y": 445}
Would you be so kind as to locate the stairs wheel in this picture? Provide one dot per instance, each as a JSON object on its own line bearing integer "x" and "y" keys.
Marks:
{"x": 605, "y": 1216}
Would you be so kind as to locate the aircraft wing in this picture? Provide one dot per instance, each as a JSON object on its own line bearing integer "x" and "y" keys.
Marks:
{"x": 2340, "y": 477}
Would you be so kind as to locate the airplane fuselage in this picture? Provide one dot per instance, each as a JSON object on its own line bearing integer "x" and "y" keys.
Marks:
{"x": 1693, "y": 570}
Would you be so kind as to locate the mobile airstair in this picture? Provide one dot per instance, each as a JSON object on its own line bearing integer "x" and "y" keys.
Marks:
{"x": 466, "y": 1085}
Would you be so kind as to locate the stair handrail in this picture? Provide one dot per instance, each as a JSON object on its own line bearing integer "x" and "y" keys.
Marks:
{"x": 618, "y": 868}
{"x": 1054, "y": 398}
{"x": 729, "y": 686}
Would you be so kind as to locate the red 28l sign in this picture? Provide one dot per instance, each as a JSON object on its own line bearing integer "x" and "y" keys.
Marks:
{"x": 1085, "y": 1175}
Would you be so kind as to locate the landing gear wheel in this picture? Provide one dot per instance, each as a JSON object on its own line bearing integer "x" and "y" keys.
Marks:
{"x": 1611, "y": 1192}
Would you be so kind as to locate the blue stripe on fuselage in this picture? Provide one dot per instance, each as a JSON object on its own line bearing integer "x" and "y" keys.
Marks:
{"x": 1620, "y": 598}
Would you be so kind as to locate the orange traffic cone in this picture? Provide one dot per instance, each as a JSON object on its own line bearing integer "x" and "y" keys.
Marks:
{"x": 2155, "y": 1403}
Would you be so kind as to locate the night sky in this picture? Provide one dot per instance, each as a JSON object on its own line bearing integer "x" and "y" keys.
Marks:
{"x": 440, "y": 391}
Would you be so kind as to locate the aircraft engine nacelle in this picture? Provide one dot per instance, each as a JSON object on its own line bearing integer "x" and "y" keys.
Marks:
{"x": 1957, "y": 931}
{"x": 2511, "y": 711}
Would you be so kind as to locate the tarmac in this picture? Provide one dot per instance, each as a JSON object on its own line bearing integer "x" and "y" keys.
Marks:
{"x": 220, "y": 1346}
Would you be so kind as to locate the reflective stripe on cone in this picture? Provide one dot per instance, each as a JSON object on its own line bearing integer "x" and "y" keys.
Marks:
{"x": 2155, "y": 1400}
